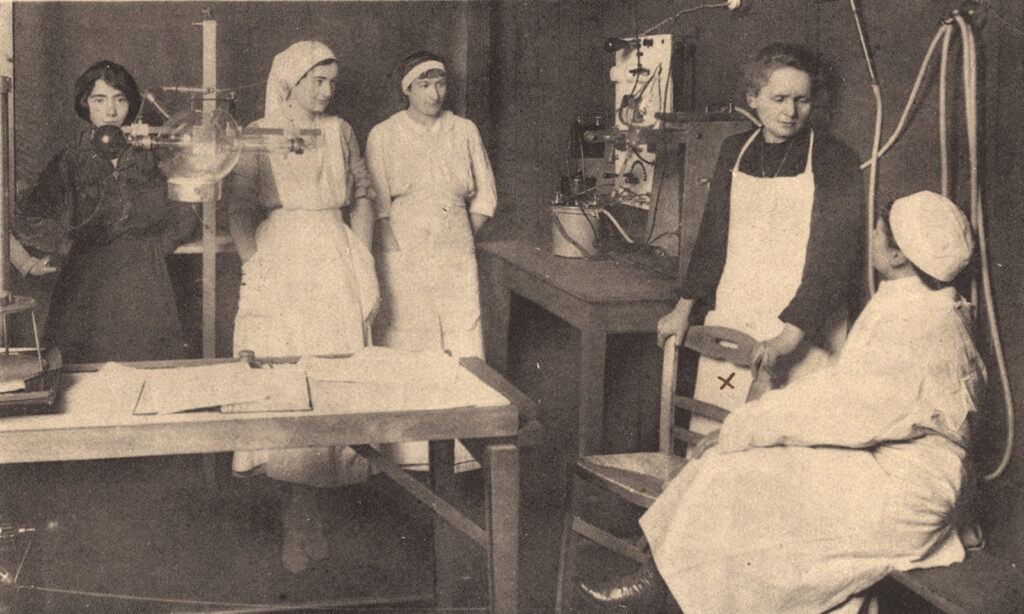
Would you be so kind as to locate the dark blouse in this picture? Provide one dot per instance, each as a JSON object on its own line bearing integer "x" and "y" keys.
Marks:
{"x": 836, "y": 247}
{"x": 113, "y": 227}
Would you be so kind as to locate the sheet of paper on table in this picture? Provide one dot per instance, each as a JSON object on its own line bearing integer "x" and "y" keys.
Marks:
{"x": 384, "y": 379}
{"x": 233, "y": 386}
{"x": 280, "y": 387}
{"x": 373, "y": 379}
{"x": 165, "y": 391}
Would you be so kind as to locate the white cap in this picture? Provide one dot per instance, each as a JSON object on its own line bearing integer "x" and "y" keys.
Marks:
{"x": 933, "y": 233}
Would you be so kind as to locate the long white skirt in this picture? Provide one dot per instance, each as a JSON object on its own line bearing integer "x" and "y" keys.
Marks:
{"x": 306, "y": 291}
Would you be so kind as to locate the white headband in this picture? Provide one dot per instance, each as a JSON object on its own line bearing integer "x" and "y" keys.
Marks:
{"x": 417, "y": 70}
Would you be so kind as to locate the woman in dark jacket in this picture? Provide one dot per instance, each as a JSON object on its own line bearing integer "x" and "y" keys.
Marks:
{"x": 103, "y": 212}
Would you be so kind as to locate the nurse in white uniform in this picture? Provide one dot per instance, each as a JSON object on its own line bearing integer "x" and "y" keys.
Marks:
{"x": 435, "y": 189}
{"x": 308, "y": 282}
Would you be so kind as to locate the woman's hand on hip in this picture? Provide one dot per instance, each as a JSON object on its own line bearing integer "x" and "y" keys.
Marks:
{"x": 675, "y": 322}
{"x": 768, "y": 352}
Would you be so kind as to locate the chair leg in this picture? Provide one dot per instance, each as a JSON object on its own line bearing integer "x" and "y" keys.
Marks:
{"x": 567, "y": 552}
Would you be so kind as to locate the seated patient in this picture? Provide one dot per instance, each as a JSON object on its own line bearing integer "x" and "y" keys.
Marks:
{"x": 814, "y": 492}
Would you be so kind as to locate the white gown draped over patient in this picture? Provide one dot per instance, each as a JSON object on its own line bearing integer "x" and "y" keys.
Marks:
{"x": 428, "y": 180}
{"x": 818, "y": 490}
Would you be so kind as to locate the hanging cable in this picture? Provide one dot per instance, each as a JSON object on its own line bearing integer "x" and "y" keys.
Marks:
{"x": 978, "y": 218}
{"x": 745, "y": 113}
{"x": 616, "y": 224}
{"x": 731, "y": 5}
{"x": 873, "y": 173}
{"x": 912, "y": 98}
{"x": 971, "y": 120}
{"x": 943, "y": 96}
{"x": 969, "y": 52}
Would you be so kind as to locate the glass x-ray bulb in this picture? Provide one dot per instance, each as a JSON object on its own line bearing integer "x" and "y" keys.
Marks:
{"x": 203, "y": 146}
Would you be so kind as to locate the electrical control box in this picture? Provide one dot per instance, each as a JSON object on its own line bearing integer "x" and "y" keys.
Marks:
{"x": 642, "y": 77}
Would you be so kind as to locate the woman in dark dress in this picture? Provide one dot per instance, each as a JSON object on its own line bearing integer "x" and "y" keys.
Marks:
{"x": 105, "y": 216}
{"x": 780, "y": 250}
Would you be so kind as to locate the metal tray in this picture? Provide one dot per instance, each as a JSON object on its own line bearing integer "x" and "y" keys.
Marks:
{"x": 40, "y": 393}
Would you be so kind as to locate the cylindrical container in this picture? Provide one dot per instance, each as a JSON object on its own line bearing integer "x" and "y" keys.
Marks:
{"x": 573, "y": 231}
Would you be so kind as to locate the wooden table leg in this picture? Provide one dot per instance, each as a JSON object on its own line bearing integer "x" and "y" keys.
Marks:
{"x": 502, "y": 316}
{"x": 593, "y": 346}
{"x": 499, "y": 305}
{"x": 442, "y": 482}
{"x": 502, "y": 466}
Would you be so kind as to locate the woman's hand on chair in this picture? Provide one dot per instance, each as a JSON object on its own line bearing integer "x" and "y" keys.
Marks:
{"x": 40, "y": 266}
{"x": 709, "y": 441}
{"x": 675, "y": 322}
{"x": 768, "y": 352}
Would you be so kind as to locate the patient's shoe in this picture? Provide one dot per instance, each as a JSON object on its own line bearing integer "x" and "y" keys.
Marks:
{"x": 972, "y": 536}
{"x": 641, "y": 591}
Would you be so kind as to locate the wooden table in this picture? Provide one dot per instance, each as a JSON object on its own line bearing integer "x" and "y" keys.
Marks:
{"x": 489, "y": 432}
{"x": 598, "y": 297}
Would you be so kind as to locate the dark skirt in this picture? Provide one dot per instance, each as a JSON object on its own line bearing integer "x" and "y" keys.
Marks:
{"x": 115, "y": 302}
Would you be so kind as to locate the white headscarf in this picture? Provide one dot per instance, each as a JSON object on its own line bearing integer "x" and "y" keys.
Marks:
{"x": 288, "y": 68}
{"x": 315, "y": 179}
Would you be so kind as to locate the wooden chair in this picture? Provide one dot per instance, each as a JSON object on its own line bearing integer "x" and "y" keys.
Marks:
{"x": 639, "y": 477}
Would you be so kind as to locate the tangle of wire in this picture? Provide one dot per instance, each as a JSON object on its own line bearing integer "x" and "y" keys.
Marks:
{"x": 681, "y": 12}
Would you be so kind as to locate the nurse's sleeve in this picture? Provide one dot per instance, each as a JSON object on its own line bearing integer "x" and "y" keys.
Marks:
{"x": 42, "y": 219}
{"x": 376, "y": 161}
{"x": 362, "y": 184}
{"x": 242, "y": 194}
{"x": 241, "y": 186}
{"x": 485, "y": 197}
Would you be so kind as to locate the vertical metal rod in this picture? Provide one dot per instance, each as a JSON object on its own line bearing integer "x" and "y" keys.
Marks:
{"x": 210, "y": 203}
{"x": 6, "y": 189}
{"x": 39, "y": 346}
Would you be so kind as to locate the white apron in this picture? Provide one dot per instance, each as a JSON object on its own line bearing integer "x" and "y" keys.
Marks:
{"x": 432, "y": 296}
{"x": 769, "y": 225}
{"x": 307, "y": 290}
{"x": 430, "y": 283}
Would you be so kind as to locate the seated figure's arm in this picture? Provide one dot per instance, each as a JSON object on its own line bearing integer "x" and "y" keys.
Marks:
{"x": 895, "y": 391}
